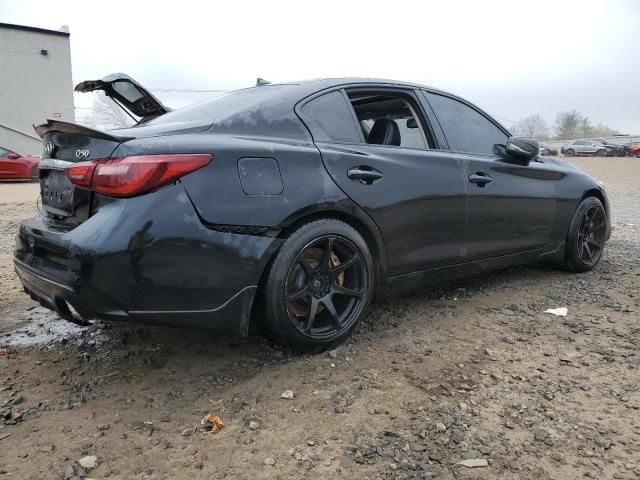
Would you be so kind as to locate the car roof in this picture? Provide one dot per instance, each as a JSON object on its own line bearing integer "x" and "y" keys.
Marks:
{"x": 299, "y": 90}
{"x": 308, "y": 87}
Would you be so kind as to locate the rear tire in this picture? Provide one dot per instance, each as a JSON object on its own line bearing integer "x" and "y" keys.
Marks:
{"x": 586, "y": 236}
{"x": 318, "y": 287}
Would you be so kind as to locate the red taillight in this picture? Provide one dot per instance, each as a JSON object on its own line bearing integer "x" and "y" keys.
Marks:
{"x": 81, "y": 174}
{"x": 130, "y": 176}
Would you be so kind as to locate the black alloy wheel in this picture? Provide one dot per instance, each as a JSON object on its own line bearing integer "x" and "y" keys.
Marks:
{"x": 587, "y": 236}
{"x": 319, "y": 285}
{"x": 591, "y": 235}
{"x": 325, "y": 286}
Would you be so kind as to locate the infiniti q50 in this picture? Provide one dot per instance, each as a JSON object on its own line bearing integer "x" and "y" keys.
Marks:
{"x": 289, "y": 206}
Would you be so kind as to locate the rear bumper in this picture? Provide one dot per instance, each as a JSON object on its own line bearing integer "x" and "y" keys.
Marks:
{"x": 146, "y": 259}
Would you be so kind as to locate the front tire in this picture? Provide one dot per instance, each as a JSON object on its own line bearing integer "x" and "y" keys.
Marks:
{"x": 601, "y": 153}
{"x": 586, "y": 236}
{"x": 571, "y": 152}
{"x": 318, "y": 287}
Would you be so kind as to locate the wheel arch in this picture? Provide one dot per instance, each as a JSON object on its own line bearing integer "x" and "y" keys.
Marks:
{"x": 361, "y": 223}
{"x": 594, "y": 192}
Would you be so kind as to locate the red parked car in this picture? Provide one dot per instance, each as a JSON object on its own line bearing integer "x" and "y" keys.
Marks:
{"x": 634, "y": 150}
{"x": 15, "y": 166}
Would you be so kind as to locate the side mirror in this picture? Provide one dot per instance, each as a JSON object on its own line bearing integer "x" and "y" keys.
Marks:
{"x": 13, "y": 156}
{"x": 411, "y": 123}
{"x": 522, "y": 149}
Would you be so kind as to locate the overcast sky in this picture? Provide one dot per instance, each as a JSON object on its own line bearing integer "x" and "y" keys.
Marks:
{"x": 511, "y": 58}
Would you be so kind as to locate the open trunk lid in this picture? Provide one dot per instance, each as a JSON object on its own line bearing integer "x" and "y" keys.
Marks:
{"x": 65, "y": 144}
{"x": 132, "y": 97}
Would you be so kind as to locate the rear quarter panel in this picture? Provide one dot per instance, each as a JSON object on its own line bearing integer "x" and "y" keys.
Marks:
{"x": 216, "y": 190}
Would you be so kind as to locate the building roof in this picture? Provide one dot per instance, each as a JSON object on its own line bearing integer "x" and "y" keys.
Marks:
{"x": 34, "y": 29}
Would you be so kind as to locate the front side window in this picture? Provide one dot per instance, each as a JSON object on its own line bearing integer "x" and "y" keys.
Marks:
{"x": 466, "y": 129}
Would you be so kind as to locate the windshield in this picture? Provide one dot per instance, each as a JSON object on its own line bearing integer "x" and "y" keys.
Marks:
{"x": 219, "y": 108}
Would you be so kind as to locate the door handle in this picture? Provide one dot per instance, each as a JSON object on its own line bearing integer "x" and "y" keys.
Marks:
{"x": 480, "y": 179}
{"x": 364, "y": 174}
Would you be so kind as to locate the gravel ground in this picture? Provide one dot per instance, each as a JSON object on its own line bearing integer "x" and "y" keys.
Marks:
{"x": 466, "y": 380}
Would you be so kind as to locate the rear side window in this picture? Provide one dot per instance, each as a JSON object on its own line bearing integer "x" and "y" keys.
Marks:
{"x": 388, "y": 118}
{"x": 466, "y": 129}
{"x": 330, "y": 120}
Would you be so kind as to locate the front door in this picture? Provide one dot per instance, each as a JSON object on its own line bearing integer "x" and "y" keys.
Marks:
{"x": 514, "y": 211}
{"x": 512, "y": 207}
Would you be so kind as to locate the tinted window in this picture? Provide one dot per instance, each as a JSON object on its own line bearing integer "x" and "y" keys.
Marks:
{"x": 466, "y": 129}
{"x": 330, "y": 120}
{"x": 3, "y": 152}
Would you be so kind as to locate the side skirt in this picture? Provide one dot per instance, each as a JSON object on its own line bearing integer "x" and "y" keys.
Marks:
{"x": 413, "y": 281}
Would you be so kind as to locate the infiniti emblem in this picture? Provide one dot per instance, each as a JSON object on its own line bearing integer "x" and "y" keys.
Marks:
{"x": 49, "y": 147}
{"x": 82, "y": 154}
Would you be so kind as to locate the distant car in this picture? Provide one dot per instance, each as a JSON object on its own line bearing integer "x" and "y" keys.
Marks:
{"x": 634, "y": 149}
{"x": 16, "y": 166}
{"x": 547, "y": 149}
{"x": 613, "y": 149}
{"x": 584, "y": 147}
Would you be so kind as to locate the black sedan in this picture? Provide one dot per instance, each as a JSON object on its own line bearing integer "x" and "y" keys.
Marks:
{"x": 289, "y": 206}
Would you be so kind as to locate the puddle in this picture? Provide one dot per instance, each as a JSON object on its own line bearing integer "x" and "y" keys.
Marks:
{"x": 43, "y": 328}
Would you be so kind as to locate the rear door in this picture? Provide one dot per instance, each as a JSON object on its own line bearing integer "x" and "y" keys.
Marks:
{"x": 414, "y": 193}
{"x": 582, "y": 146}
{"x": 511, "y": 206}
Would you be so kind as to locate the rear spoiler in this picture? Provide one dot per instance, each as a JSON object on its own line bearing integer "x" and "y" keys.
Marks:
{"x": 73, "y": 128}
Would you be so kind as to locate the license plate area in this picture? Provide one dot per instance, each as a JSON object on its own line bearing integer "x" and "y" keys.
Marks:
{"x": 56, "y": 191}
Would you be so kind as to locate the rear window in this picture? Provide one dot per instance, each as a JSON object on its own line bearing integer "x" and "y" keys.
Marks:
{"x": 219, "y": 108}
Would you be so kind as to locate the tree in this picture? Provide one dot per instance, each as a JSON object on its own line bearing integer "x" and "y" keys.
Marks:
{"x": 571, "y": 125}
{"x": 532, "y": 126}
{"x": 106, "y": 114}
{"x": 568, "y": 125}
{"x": 585, "y": 127}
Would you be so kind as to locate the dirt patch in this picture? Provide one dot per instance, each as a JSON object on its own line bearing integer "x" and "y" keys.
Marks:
{"x": 18, "y": 200}
{"x": 472, "y": 371}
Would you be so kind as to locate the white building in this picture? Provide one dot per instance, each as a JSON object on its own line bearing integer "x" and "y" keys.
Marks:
{"x": 35, "y": 84}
